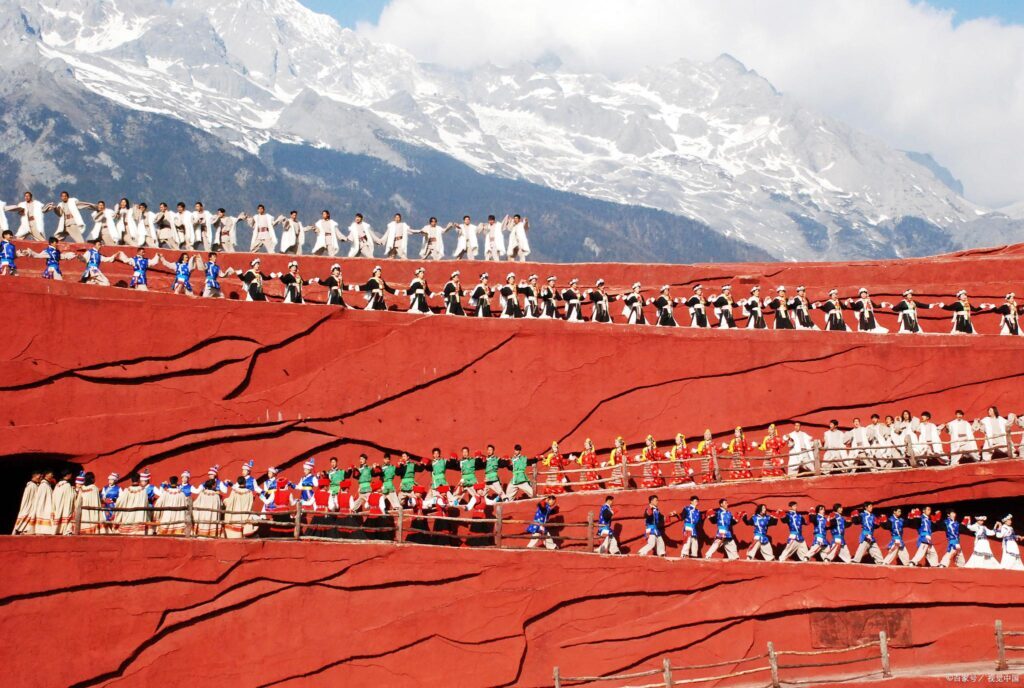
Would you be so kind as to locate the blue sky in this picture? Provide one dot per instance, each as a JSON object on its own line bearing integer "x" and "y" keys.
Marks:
{"x": 349, "y": 12}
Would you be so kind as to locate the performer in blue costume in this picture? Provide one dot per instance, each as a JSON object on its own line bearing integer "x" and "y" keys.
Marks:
{"x": 762, "y": 543}
{"x": 538, "y": 529}
{"x": 953, "y": 549}
{"x": 724, "y": 522}
{"x": 692, "y": 518}
{"x": 897, "y": 547}
{"x": 654, "y": 529}
{"x": 610, "y": 545}
{"x": 821, "y": 543}
{"x": 795, "y": 543}
{"x": 867, "y": 545}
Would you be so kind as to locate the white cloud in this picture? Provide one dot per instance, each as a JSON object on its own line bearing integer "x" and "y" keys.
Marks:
{"x": 894, "y": 68}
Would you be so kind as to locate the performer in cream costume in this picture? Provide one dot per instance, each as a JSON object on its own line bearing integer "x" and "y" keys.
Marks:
{"x": 225, "y": 226}
{"x": 518, "y": 244}
{"x": 202, "y": 227}
{"x": 361, "y": 238}
{"x": 293, "y": 233}
{"x": 327, "y": 235}
{"x": 994, "y": 426}
{"x": 31, "y": 212}
{"x": 396, "y": 239}
{"x": 433, "y": 240}
{"x": 962, "y": 444}
{"x": 494, "y": 238}
{"x": 981, "y": 557}
{"x": 262, "y": 230}
{"x": 145, "y": 225}
{"x": 69, "y": 213}
{"x": 801, "y": 450}
{"x": 467, "y": 245}
{"x": 124, "y": 215}
{"x": 105, "y": 227}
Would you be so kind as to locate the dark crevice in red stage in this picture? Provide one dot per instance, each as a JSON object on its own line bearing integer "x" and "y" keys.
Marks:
{"x": 18, "y": 470}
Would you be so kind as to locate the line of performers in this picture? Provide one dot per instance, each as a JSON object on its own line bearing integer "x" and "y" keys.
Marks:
{"x": 136, "y": 225}
{"x": 829, "y": 539}
{"x": 527, "y": 298}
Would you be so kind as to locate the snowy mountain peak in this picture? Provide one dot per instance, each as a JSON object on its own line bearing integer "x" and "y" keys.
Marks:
{"x": 715, "y": 142}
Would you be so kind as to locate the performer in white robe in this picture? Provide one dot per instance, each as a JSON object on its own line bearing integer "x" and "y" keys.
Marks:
{"x": 396, "y": 239}
{"x": 132, "y": 497}
{"x": 4, "y": 208}
{"x": 64, "y": 506}
{"x": 433, "y": 240}
{"x": 69, "y": 214}
{"x": 293, "y": 233}
{"x": 170, "y": 506}
{"x": 327, "y": 235}
{"x": 124, "y": 215}
{"x": 835, "y": 456}
{"x": 238, "y": 518}
{"x": 962, "y": 443}
{"x": 981, "y": 557}
{"x": 165, "y": 222}
{"x": 518, "y": 243}
{"x": 929, "y": 443}
{"x": 206, "y": 511}
{"x": 105, "y": 227}
{"x": 994, "y": 426}
{"x": 801, "y": 451}
{"x": 467, "y": 246}
{"x": 145, "y": 225}
{"x": 262, "y": 230}
{"x": 225, "y": 226}
{"x": 1011, "y": 552}
{"x": 31, "y": 212}
{"x": 203, "y": 226}
{"x": 24, "y": 524}
{"x": 362, "y": 238}
{"x": 494, "y": 237}
{"x": 184, "y": 227}
{"x": 42, "y": 507}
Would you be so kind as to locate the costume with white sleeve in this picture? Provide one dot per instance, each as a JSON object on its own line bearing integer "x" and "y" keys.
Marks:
{"x": 31, "y": 221}
{"x": 362, "y": 239}
{"x": 1011, "y": 552}
{"x": 865, "y": 309}
{"x": 494, "y": 240}
{"x": 962, "y": 443}
{"x": 981, "y": 557}
{"x": 801, "y": 455}
{"x": 518, "y": 244}
{"x": 293, "y": 235}
{"x": 467, "y": 245}
{"x": 995, "y": 435}
{"x": 396, "y": 240}
{"x": 105, "y": 226}
{"x": 835, "y": 456}
{"x": 327, "y": 233}
{"x": 69, "y": 222}
{"x": 262, "y": 232}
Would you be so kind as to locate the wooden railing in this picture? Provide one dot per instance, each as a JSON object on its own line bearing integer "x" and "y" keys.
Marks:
{"x": 671, "y": 674}
{"x": 1002, "y": 647}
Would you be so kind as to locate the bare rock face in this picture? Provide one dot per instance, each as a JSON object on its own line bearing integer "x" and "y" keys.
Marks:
{"x": 134, "y": 611}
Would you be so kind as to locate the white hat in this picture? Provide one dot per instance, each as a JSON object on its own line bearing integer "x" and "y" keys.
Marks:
{"x": 862, "y": 290}
{"x": 1010, "y": 296}
{"x": 833, "y": 292}
{"x": 214, "y": 469}
{"x": 336, "y": 266}
{"x": 600, "y": 282}
{"x": 247, "y": 465}
{"x": 253, "y": 262}
{"x": 186, "y": 474}
{"x": 293, "y": 263}
{"x": 533, "y": 277}
{"x": 665, "y": 287}
{"x": 962, "y": 292}
{"x": 908, "y": 292}
{"x": 419, "y": 270}
{"x": 484, "y": 275}
{"x": 779, "y": 290}
{"x": 377, "y": 268}
{"x": 309, "y": 463}
{"x": 144, "y": 474}
{"x": 636, "y": 285}
{"x": 574, "y": 280}
{"x": 801, "y": 288}
{"x": 271, "y": 470}
{"x": 455, "y": 274}
{"x": 114, "y": 476}
{"x": 510, "y": 275}
{"x": 697, "y": 287}
{"x": 754, "y": 288}
{"x": 552, "y": 278}
{"x": 727, "y": 287}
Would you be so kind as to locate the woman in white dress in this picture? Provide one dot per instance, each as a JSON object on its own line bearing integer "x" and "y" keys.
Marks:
{"x": 994, "y": 426}
{"x": 981, "y": 557}
{"x": 1011, "y": 552}
{"x": 206, "y": 511}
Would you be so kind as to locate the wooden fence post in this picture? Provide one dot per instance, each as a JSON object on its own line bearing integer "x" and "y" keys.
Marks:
{"x": 911, "y": 454}
{"x": 298, "y": 519}
{"x": 78, "y": 516}
{"x": 714, "y": 464}
{"x": 667, "y": 672}
{"x": 883, "y": 646}
{"x": 399, "y": 534}
{"x": 497, "y": 535}
{"x": 773, "y": 664}
{"x": 189, "y": 519}
{"x": 558, "y": 679}
{"x": 1000, "y": 647}
{"x": 590, "y": 531}
{"x": 816, "y": 453}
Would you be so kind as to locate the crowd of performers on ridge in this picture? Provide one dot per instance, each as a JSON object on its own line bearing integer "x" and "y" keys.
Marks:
{"x": 49, "y": 509}
{"x": 137, "y": 225}
{"x": 528, "y": 298}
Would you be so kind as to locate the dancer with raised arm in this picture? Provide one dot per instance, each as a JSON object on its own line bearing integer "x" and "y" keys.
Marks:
{"x": 293, "y": 233}
{"x": 600, "y": 300}
{"x": 262, "y": 230}
{"x": 433, "y": 239}
{"x": 665, "y": 305}
{"x": 494, "y": 238}
{"x": 467, "y": 246}
{"x": 548, "y": 295}
{"x": 225, "y": 227}
{"x": 93, "y": 259}
{"x": 833, "y": 310}
{"x": 1010, "y": 312}
{"x": 335, "y": 287}
{"x": 518, "y": 243}
{"x": 724, "y": 308}
{"x": 754, "y": 310}
{"x": 418, "y": 292}
{"x": 396, "y": 238}
{"x": 508, "y": 295}
{"x": 962, "y": 311}
{"x": 374, "y": 289}
{"x": 70, "y": 222}
{"x": 253, "y": 279}
{"x": 801, "y": 306}
{"x": 480, "y": 297}
{"x": 573, "y": 311}
{"x": 293, "y": 283}
{"x": 865, "y": 309}
{"x": 906, "y": 310}
{"x": 780, "y": 304}
{"x": 31, "y": 213}
{"x": 51, "y": 254}
{"x": 633, "y": 306}
{"x": 453, "y": 293}
{"x": 203, "y": 226}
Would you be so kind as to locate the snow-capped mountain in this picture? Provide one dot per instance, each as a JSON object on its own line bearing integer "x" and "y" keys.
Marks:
{"x": 714, "y": 142}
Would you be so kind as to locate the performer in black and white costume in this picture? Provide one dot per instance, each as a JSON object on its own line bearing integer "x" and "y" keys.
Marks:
{"x": 633, "y": 306}
{"x": 1011, "y": 315}
{"x": 573, "y": 312}
{"x": 529, "y": 291}
{"x": 865, "y": 308}
{"x": 755, "y": 310}
{"x": 962, "y": 311}
{"x": 600, "y": 300}
{"x": 453, "y": 296}
{"x": 697, "y": 306}
{"x": 418, "y": 292}
{"x": 724, "y": 306}
{"x": 780, "y": 304}
{"x": 664, "y": 304}
{"x": 327, "y": 235}
{"x": 833, "y": 310}
{"x": 362, "y": 239}
{"x": 396, "y": 238}
{"x": 293, "y": 283}
{"x": 906, "y": 311}
{"x": 548, "y": 295}
{"x": 800, "y": 306}
{"x": 293, "y": 233}
{"x": 253, "y": 279}
{"x": 335, "y": 287}
{"x": 374, "y": 290}
{"x": 509, "y": 295}
{"x": 480, "y": 297}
